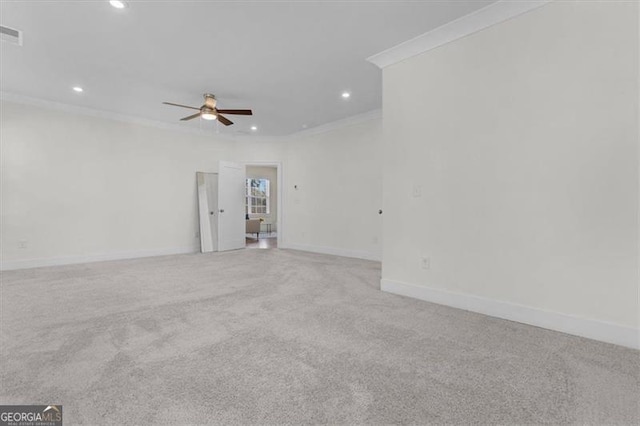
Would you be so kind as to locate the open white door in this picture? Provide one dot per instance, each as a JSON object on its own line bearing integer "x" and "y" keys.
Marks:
{"x": 231, "y": 205}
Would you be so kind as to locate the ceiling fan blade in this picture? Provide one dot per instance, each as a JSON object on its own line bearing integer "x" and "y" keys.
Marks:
{"x": 178, "y": 105}
{"x": 191, "y": 117}
{"x": 224, "y": 120}
{"x": 235, "y": 111}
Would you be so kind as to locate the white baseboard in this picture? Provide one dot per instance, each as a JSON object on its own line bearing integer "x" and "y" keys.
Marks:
{"x": 358, "y": 254}
{"x": 70, "y": 260}
{"x": 591, "y": 329}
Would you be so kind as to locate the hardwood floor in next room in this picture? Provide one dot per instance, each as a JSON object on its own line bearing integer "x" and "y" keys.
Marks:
{"x": 266, "y": 241}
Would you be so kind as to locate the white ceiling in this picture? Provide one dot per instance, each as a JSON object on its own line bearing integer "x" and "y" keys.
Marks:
{"x": 287, "y": 60}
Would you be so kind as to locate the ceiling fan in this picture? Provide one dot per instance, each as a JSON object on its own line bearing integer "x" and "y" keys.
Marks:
{"x": 208, "y": 111}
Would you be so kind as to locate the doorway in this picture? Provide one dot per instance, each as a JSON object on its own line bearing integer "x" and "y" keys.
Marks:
{"x": 263, "y": 205}
{"x": 220, "y": 207}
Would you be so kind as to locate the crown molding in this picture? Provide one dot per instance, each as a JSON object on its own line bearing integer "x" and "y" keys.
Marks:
{"x": 479, "y": 20}
{"x": 338, "y": 124}
{"x": 98, "y": 113}
{"x": 92, "y": 112}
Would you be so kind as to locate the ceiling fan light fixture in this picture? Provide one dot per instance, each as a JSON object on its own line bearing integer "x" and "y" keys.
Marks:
{"x": 208, "y": 111}
{"x": 118, "y": 4}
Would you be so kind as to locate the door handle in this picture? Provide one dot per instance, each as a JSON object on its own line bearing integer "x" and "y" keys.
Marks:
{"x": 221, "y": 210}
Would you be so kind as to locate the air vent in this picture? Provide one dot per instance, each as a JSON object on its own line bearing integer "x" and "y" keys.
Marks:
{"x": 11, "y": 35}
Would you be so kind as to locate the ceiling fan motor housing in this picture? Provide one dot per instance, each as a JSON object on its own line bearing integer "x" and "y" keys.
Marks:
{"x": 209, "y": 100}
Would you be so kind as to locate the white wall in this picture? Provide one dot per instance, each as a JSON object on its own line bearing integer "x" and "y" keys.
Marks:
{"x": 338, "y": 175}
{"x": 523, "y": 139}
{"x": 259, "y": 151}
{"x": 79, "y": 188}
{"x": 270, "y": 173}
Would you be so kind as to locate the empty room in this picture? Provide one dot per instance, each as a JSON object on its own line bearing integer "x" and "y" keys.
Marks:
{"x": 319, "y": 212}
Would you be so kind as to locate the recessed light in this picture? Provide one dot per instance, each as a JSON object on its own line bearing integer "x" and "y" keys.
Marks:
{"x": 118, "y": 4}
{"x": 78, "y": 89}
{"x": 304, "y": 126}
{"x": 254, "y": 128}
{"x": 346, "y": 95}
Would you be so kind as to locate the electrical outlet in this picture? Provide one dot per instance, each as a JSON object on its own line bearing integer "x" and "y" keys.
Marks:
{"x": 22, "y": 244}
{"x": 417, "y": 191}
{"x": 196, "y": 235}
{"x": 425, "y": 262}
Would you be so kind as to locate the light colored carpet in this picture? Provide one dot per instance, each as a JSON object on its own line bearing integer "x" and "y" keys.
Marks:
{"x": 278, "y": 336}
